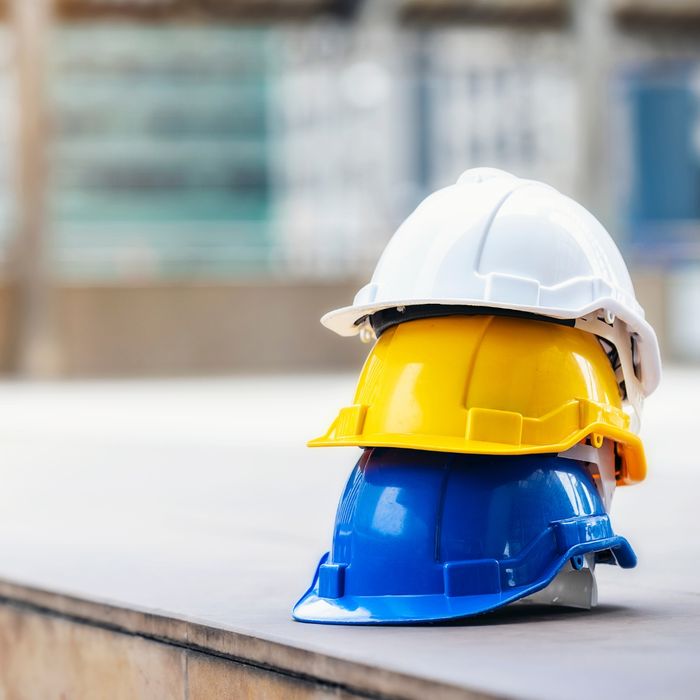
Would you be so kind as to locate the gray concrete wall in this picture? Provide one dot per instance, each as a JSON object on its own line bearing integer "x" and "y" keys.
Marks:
{"x": 182, "y": 328}
{"x": 166, "y": 329}
{"x": 185, "y": 328}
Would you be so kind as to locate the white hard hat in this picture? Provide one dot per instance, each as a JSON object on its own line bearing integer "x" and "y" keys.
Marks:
{"x": 495, "y": 240}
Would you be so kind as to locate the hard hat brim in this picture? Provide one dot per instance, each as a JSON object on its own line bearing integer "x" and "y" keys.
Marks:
{"x": 634, "y": 466}
{"x": 344, "y": 322}
{"x": 412, "y": 609}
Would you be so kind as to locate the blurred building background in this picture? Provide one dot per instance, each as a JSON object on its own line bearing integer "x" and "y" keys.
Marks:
{"x": 187, "y": 185}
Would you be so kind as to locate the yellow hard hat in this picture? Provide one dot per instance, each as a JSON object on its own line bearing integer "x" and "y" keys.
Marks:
{"x": 488, "y": 385}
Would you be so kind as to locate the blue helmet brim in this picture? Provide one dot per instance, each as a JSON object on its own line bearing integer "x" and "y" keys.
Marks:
{"x": 411, "y": 609}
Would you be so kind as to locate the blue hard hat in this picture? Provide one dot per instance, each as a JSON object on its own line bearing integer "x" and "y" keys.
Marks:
{"x": 422, "y": 536}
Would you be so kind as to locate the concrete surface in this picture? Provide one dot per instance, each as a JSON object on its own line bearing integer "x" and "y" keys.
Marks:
{"x": 197, "y": 501}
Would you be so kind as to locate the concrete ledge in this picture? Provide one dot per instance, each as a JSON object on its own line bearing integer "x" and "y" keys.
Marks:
{"x": 167, "y": 523}
{"x": 81, "y": 645}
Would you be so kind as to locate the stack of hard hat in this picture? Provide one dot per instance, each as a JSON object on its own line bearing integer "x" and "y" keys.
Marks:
{"x": 497, "y": 410}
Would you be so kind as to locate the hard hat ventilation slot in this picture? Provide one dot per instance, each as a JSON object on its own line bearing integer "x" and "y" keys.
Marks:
{"x": 614, "y": 357}
{"x": 636, "y": 356}
{"x": 619, "y": 463}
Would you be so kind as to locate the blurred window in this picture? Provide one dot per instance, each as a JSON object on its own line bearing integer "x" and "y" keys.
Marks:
{"x": 159, "y": 152}
{"x": 8, "y": 140}
{"x": 663, "y": 113}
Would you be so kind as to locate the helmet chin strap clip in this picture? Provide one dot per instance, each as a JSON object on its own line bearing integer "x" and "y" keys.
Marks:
{"x": 573, "y": 587}
{"x": 367, "y": 334}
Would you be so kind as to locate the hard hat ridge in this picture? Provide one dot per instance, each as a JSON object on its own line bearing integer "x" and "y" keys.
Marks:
{"x": 495, "y": 240}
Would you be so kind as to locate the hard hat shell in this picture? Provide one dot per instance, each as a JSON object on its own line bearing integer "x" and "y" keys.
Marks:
{"x": 487, "y": 385}
{"x": 496, "y": 240}
{"x": 425, "y": 536}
